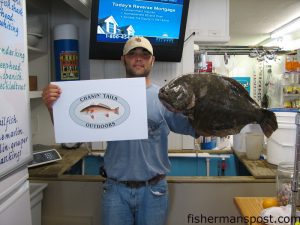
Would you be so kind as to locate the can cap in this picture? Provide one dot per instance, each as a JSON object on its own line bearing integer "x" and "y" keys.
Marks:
{"x": 65, "y": 31}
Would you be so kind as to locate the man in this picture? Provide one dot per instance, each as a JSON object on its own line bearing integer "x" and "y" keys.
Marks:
{"x": 135, "y": 190}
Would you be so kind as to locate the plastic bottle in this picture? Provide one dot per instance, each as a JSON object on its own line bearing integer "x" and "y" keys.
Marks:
{"x": 66, "y": 52}
{"x": 285, "y": 171}
{"x": 288, "y": 63}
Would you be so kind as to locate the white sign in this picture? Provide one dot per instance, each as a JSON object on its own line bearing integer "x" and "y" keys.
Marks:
{"x": 101, "y": 110}
{"x": 15, "y": 134}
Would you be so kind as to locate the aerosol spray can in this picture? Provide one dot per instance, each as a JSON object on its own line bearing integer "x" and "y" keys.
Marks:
{"x": 66, "y": 52}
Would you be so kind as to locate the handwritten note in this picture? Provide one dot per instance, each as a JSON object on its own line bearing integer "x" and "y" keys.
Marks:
{"x": 15, "y": 135}
{"x": 12, "y": 139}
{"x": 11, "y": 77}
{"x": 8, "y": 11}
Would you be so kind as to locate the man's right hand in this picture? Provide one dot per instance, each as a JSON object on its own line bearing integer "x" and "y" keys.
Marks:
{"x": 50, "y": 94}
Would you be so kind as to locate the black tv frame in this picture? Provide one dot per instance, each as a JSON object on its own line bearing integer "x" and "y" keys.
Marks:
{"x": 113, "y": 51}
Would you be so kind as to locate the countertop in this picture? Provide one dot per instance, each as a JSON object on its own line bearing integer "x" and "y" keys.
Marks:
{"x": 58, "y": 168}
{"x": 250, "y": 208}
{"x": 260, "y": 170}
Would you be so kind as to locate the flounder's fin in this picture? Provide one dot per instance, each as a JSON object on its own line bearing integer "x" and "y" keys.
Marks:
{"x": 268, "y": 123}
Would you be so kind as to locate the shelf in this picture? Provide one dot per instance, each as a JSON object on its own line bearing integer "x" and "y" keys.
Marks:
{"x": 291, "y": 95}
{"x": 292, "y": 109}
{"x": 291, "y": 85}
{"x": 33, "y": 50}
{"x": 81, "y": 6}
{"x": 37, "y": 7}
{"x": 35, "y": 94}
{"x": 291, "y": 72}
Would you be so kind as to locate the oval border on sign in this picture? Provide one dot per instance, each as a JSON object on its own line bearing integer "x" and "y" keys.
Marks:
{"x": 116, "y": 122}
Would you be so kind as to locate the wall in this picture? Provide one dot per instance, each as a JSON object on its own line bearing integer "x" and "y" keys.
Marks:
{"x": 210, "y": 21}
{"x": 41, "y": 124}
{"x": 242, "y": 65}
{"x": 162, "y": 71}
{"x": 97, "y": 69}
{"x": 78, "y": 203}
{"x": 60, "y": 13}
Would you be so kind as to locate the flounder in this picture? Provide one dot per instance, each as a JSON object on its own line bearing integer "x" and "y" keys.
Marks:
{"x": 215, "y": 105}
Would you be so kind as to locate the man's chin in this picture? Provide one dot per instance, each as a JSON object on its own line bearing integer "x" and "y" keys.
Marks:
{"x": 137, "y": 75}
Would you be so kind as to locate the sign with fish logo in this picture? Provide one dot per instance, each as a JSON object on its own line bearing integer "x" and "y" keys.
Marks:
{"x": 101, "y": 110}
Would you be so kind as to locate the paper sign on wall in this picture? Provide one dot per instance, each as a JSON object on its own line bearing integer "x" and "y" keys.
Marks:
{"x": 15, "y": 133}
{"x": 101, "y": 110}
{"x": 245, "y": 81}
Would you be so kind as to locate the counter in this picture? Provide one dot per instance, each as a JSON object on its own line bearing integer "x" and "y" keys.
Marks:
{"x": 58, "y": 168}
{"x": 258, "y": 168}
{"x": 261, "y": 171}
{"x": 76, "y": 197}
{"x": 250, "y": 207}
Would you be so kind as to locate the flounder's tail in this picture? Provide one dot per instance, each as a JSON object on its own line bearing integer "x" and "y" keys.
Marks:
{"x": 268, "y": 123}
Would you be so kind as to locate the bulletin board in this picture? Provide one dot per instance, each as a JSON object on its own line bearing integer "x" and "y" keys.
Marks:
{"x": 15, "y": 131}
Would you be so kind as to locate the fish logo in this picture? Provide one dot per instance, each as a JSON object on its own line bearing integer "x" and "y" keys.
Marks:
{"x": 99, "y": 110}
{"x": 91, "y": 109}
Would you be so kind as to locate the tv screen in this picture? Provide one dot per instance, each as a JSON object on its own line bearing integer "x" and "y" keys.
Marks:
{"x": 163, "y": 22}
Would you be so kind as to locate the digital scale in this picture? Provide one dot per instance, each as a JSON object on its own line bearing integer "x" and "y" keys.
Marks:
{"x": 45, "y": 156}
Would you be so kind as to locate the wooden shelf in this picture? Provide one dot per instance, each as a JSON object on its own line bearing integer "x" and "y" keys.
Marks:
{"x": 35, "y": 94}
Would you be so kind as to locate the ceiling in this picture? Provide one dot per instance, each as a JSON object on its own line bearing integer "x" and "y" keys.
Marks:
{"x": 251, "y": 21}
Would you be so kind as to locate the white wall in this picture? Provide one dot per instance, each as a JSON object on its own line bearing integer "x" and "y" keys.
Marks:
{"x": 162, "y": 72}
{"x": 209, "y": 19}
{"x": 60, "y": 13}
{"x": 96, "y": 69}
{"x": 242, "y": 65}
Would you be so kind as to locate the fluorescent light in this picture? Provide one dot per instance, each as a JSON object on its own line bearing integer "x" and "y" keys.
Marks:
{"x": 286, "y": 43}
{"x": 287, "y": 28}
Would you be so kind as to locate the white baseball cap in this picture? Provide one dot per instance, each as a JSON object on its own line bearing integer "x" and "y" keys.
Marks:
{"x": 137, "y": 42}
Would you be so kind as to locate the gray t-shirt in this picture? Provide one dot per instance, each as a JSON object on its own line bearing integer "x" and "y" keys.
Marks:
{"x": 141, "y": 160}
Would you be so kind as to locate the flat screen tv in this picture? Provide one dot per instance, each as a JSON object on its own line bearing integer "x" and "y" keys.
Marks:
{"x": 113, "y": 22}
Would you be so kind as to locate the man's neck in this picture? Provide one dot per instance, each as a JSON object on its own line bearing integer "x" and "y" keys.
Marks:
{"x": 148, "y": 80}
